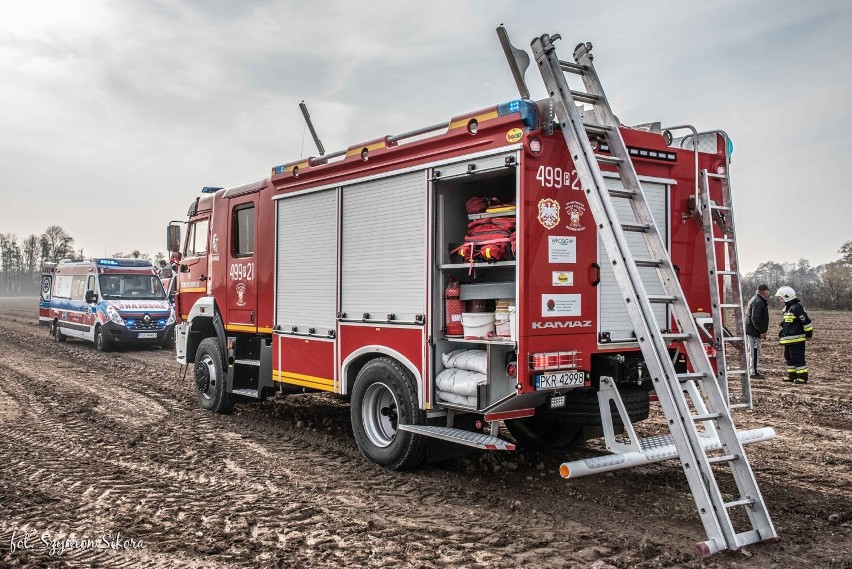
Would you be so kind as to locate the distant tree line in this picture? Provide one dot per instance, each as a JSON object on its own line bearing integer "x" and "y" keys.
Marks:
{"x": 21, "y": 261}
{"x": 827, "y": 286}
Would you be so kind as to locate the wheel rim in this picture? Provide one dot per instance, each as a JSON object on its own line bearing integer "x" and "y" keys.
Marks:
{"x": 379, "y": 414}
{"x": 205, "y": 377}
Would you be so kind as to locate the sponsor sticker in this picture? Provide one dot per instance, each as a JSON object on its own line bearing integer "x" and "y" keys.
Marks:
{"x": 562, "y": 249}
{"x": 563, "y": 278}
{"x": 514, "y": 135}
{"x": 560, "y": 305}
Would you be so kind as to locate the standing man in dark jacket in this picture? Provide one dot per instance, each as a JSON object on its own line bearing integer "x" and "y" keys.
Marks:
{"x": 796, "y": 329}
{"x": 756, "y": 325}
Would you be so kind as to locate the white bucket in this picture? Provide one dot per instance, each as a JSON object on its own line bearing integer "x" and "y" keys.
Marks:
{"x": 478, "y": 324}
{"x": 513, "y": 318}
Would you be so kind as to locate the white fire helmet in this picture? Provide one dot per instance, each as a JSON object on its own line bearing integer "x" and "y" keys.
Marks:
{"x": 786, "y": 293}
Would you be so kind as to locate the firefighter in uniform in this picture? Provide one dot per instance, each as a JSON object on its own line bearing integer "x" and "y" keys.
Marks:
{"x": 796, "y": 329}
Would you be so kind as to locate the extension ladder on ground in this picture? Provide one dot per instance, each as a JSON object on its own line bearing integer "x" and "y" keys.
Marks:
{"x": 689, "y": 400}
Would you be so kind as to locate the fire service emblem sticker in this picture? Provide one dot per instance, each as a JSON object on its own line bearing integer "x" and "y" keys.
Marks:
{"x": 575, "y": 211}
{"x": 241, "y": 293}
{"x": 548, "y": 213}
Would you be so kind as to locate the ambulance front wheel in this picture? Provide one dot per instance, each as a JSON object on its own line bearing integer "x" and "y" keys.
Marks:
{"x": 384, "y": 397}
{"x": 101, "y": 343}
{"x": 210, "y": 378}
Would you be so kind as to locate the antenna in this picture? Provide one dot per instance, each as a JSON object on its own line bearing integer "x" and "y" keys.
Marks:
{"x": 518, "y": 60}
{"x": 307, "y": 116}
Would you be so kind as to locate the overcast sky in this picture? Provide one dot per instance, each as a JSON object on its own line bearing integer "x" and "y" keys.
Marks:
{"x": 114, "y": 114}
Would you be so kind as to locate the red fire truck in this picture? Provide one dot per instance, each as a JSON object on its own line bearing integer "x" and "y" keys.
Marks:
{"x": 533, "y": 264}
{"x": 331, "y": 274}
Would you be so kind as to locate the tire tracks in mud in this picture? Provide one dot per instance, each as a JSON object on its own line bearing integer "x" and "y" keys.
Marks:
{"x": 282, "y": 482}
{"x": 68, "y": 448}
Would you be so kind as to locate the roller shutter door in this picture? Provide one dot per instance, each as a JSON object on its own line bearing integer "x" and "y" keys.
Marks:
{"x": 384, "y": 248}
{"x": 613, "y": 313}
{"x": 307, "y": 262}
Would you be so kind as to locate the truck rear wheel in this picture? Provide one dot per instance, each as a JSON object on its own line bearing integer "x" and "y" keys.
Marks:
{"x": 539, "y": 434}
{"x": 210, "y": 378}
{"x": 385, "y": 396}
{"x": 57, "y": 333}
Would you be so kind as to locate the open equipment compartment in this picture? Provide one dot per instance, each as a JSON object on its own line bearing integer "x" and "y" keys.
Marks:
{"x": 451, "y": 219}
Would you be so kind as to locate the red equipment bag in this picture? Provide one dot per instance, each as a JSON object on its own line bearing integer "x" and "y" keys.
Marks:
{"x": 479, "y": 205}
{"x": 491, "y": 239}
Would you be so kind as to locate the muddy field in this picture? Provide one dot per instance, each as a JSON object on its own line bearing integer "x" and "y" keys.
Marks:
{"x": 106, "y": 460}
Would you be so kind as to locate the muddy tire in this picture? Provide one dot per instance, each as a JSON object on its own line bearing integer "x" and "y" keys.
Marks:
{"x": 210, "y": 378}
{"x": 385, "y": 395}
{"x": 538, "y": 434}
{"x": 57, "y": 333}
{"x": 101, "y": 343}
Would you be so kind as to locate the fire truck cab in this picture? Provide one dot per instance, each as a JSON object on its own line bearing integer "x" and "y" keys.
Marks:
{"x": 110, "y": 302}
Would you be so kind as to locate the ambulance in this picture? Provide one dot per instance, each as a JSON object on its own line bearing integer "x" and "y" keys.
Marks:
{"x": 110, "y": 302}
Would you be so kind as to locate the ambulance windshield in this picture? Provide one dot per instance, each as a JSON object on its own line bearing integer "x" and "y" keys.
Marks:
{"x": 131, "y": 287}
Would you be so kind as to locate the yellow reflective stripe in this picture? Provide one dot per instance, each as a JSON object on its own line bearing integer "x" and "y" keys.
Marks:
{"x": 802, "y": 370}
{"x": 789, "y": 318}
{"x": 263, "y": 330}
{"x": 791, "y": 340}
{"x": 809, "y": 328}
{"x": 369, "y": 147}
{"x": 193, "y": 289}
{"x": 304, "y": 380}
{"x": 479, "y": 118}
{"x": 240, "y": 328}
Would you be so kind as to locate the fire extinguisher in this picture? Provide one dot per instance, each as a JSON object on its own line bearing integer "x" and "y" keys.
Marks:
{"x": 454, "y": 308}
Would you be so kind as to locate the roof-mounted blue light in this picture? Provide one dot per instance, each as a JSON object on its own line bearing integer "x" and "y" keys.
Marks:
{"x": 124, "y": 262}
{"x": 526, "y": 108}
{"x": 210, "y": 189}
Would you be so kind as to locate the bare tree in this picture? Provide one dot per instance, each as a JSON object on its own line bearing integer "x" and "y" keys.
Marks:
{"x": 56, "y": 244}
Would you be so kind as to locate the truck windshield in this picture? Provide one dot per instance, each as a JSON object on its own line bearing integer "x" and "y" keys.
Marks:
{"x": 131, "y": 287}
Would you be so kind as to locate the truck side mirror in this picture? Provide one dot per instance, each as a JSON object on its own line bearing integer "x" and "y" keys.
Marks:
{"x": 91, "y": 297}
{"x": 173, "y": 238}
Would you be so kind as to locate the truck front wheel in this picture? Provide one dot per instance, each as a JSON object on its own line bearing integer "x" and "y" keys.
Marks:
{"x": 210, "y": 378}
{"x": 384, "y": 397}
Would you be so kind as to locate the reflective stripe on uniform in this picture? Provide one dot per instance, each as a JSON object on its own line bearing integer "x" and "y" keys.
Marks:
{"x": 792, "y": 339}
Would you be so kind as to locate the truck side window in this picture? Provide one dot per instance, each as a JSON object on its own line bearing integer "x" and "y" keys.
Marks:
{"x": 243, "y": 229}
{"x": 197, "y": 245}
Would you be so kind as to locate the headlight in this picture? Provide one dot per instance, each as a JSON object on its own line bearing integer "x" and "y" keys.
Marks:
{"x": 172, "y": 318}
{"x": 113, "y": 315}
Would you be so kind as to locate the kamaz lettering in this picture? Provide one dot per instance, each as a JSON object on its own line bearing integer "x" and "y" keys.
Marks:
{"x": 566, "y": 324}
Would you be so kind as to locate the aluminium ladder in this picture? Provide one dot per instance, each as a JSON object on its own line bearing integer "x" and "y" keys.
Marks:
{"x": 721, "y": 216}
{"x": 688, "y": 399}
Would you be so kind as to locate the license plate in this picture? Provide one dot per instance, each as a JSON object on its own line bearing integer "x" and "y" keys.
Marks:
{"x": 147, "y": 335}
{"x": 560, "y": 379}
